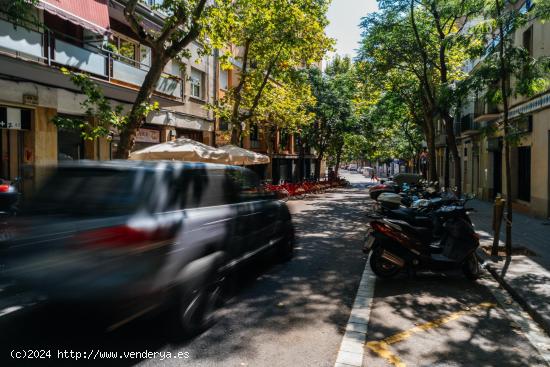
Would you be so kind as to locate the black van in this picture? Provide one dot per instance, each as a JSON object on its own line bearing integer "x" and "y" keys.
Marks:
{"x": 143, "y": 234}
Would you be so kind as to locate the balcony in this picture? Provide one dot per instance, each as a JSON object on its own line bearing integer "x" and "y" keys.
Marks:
{"x": 48, "y": 48}
{"x": 467, "y": 126}
{"x": 484, "y": 111}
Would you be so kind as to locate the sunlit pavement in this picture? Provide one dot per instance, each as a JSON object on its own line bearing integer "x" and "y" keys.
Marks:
{"x": 294, "y": 314}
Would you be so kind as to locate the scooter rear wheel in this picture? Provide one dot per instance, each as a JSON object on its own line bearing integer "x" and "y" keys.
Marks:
{"x": 382, "y": 267}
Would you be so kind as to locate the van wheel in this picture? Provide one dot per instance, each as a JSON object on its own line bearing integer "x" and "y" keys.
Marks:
{"x": 471, "y": 268}
{"x": 285, "y": 249}
{"x": 193, "y": 311}
{"x": 382, "y": 267}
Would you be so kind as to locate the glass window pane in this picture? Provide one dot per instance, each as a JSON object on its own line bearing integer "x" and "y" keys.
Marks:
{"x": 224, "y": 79}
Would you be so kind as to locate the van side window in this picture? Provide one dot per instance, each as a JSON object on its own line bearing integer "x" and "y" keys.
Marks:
{"x": 188, "y": 189}
{"x": 247, "y": 183}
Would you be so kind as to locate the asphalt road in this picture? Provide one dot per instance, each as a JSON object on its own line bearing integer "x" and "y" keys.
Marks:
{"x": 291, "y": 314}
{"x": 294, "y": 314}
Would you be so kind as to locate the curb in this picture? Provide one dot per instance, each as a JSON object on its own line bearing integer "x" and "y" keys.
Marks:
{"x": 535, "y": 315}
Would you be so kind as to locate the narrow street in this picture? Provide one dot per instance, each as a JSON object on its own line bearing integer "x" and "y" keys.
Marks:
{"x": 295, "y": 314}
{"x": 290, "y": 314}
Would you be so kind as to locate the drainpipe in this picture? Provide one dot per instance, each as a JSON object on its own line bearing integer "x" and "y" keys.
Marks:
{"x": 216, "y": 90}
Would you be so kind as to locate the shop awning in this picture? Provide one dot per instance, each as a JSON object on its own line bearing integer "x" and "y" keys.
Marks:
{"x": 182, "y": 149}
{"x": 244, "y": 157}
{"x": 90, "y": 14}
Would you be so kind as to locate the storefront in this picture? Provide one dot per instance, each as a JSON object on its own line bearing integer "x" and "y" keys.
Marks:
{"x": 146, "y": 136}
{"x": 196, "y": 135}
{"x": 15, "y": 124}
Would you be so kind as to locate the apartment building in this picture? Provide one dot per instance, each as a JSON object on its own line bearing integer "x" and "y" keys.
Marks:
{"x": 290, "y": 159}
{"x": 89, "y": 36}
{"x": 482, "y": 155}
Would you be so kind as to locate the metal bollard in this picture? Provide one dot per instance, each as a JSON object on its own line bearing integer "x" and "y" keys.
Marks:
{"x": 498, "y": 211}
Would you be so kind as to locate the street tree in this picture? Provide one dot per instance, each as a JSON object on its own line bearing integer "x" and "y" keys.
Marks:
{"x": 269, "y": 39}
{"x": 185, "y": 21}
{"x": 335, "y": 90}
{"x": 440, "y": 48}
{"x": 390, "y": 69}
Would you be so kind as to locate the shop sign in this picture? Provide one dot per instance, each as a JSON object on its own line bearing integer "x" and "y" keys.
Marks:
{"x": 15, "y": 118}
{"x": 148, "y": 136}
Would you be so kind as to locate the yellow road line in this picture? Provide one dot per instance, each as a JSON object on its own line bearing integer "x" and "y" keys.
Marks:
{"x": 381, "y": 348}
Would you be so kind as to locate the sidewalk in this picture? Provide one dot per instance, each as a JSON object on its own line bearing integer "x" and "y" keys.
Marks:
{"x": 527, "y": 278}
{"x": 528, "y": 232}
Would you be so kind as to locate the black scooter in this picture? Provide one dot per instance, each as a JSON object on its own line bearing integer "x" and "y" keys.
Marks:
{"x": 396, "y": 245}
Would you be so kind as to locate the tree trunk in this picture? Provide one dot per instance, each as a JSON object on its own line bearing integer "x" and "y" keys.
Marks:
{"x": 300, "y": 172}
{"x": 137, "y": 115}
{"x": 338, "y": 158}
{"x": 454, "y": 151}
{"x": 268, "y": 136}
{"x": 430, "y": 139}
{"x": 504, "y": 90}
{"x": 318, "y": 163}
{"x": 236, "y": 132}
{"x": 447, "y": 174}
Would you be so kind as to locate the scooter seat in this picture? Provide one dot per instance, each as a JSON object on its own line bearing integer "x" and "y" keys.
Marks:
{"x": 411, "y": 216}
{"x": 422, "y": 232}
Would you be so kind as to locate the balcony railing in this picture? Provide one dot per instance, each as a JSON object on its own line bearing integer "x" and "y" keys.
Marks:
{"x": 45, "y": 47}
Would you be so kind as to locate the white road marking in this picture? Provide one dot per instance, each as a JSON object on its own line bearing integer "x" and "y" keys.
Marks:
{"x": 352, "y": 347}
{"x": 534, "y": 334}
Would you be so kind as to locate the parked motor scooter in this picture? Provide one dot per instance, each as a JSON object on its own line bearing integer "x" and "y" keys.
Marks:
{"x": 396, "y": 245}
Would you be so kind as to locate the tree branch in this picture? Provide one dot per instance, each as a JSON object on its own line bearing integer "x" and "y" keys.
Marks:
{"x": 193, "y": 33}
{"x": 133, "y": 21}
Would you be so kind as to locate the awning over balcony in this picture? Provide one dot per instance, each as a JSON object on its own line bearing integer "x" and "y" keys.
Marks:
{"x": 90, "y": 14}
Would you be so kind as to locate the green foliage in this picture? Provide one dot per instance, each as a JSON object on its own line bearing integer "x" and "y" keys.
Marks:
{"x": 274, "y": 38}
{"x": 100, "y": 115}
{"x": 335, "y": 92}
{"x": 523, "y": 74}
{"x": 19, "y": 12}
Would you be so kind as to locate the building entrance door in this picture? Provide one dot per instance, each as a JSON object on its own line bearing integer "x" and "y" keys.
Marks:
{"x": 524, "y": 173}
{"x": 497, "y": 170}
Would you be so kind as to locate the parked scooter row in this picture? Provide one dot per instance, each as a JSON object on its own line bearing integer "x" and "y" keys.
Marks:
{"x": 434, "y": 233}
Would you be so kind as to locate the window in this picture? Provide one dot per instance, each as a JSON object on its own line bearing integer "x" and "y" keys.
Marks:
{"x": 283, "y": 140}
{"x": 224, "y": 79}
{"x": 126, "y": 49}
{"x": 254, "y": 137}
{"x": 224, "y": 124}
{"x": 528, "y": 40}
{"x": 175, "y": 68}
{"x": 145, "y": 56}
{"x": 153, "y": 2}
{"x": 196, "y": 83}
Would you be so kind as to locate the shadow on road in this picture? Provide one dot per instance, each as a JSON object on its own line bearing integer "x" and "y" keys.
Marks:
{"x": 479, "y": 337}
{"x": 317, "y": 286}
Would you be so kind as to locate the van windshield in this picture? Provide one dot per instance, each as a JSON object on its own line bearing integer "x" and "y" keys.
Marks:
{"x": 91, "y": 192}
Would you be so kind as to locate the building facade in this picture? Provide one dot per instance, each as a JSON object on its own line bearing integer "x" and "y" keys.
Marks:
{"x": 89, "y": 36}
{"x": 480, "y": 140}
{"x": 290, "y": 159}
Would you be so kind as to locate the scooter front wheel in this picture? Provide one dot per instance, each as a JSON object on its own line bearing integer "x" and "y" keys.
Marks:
{"x": 381, "y": 267}
{"x": 471, "y": 268}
